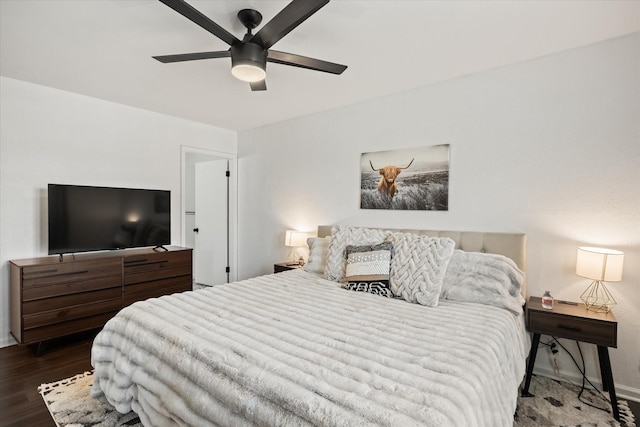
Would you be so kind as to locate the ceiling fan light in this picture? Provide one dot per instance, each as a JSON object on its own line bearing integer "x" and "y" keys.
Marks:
{"x": 248, "y": 62}
{"x": 248, "y": 72}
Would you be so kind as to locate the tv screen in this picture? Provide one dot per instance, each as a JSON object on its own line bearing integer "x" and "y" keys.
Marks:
{"x": 84, "y": 218}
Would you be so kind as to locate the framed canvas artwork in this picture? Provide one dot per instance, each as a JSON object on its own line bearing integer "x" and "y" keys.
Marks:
{"x": 406, "y": 179}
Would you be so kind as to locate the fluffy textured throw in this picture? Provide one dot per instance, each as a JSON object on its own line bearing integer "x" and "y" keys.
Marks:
{"x": 555, "y": 404}
{"x": 418, "y": 267}
{"x": 295, "y": 349}
{"x": 485, "y": 278}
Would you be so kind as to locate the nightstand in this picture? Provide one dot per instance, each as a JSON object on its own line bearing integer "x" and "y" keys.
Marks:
{"x": 284, "y": 266}
{"x": 573, "y": 321}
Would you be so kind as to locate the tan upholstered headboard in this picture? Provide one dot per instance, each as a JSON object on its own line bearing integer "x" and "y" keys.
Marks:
{"x": 512, "y": 245}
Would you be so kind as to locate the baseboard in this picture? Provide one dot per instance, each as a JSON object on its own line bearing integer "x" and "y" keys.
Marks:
{"x": 622, "y": 391}
{"x": 8, "y": 341}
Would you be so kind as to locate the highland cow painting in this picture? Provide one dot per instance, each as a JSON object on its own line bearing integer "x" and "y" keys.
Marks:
{"x": 406, "y": 179}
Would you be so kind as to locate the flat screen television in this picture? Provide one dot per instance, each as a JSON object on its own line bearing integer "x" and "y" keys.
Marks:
{"x": 85, "y": 218}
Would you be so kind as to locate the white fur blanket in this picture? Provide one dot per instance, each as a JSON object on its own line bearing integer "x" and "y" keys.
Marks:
{"x": 295, "y": 349}
{"x": 484, "y": 278}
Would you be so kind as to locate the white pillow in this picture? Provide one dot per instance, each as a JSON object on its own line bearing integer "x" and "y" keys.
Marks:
{"x": 318, "y": 249}
{"x": 483, "y": 278}
{"x": 418, "y": 266}
{"x": 341, "y": 236}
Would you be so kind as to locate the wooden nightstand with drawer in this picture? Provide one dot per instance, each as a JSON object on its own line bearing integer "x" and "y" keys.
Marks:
{"x": 573, "y": 321}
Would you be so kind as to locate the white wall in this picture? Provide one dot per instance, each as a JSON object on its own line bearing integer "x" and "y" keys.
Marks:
{"x": 52, "y": 136}
{"x": 549, "y": 147}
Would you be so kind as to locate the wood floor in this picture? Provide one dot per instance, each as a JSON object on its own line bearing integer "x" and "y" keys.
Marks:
{"x": 21, "y": 372}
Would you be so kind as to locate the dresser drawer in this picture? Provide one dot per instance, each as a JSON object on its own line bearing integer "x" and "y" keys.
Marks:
{"x": 65, "y": 328}
{"x": 157, "y": 288}
{"x": 580, "y": 329}
{"x": 70, "y": 313}
{"x": 65, "y": 301}
{"x": 156, "y": 262}
{"x": 149, "y": 276}
{"x": 42, "y": 292}
{"x": 51, "y": 274}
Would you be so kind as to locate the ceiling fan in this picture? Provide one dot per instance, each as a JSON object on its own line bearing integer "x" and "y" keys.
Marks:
{"x": 250, "y": 55}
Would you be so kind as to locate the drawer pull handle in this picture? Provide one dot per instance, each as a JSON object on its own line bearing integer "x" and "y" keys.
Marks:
{"x": 144, "y": 262}
{"x": 52, "y": 270}
{"x": 569, "y": 328}
{"x": 136, "y": 261}
{"x": 46, "y": 273}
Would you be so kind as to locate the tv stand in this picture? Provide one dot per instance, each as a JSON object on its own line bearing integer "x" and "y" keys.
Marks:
{"x": 61, "y": 256}
{"x": 160, "y": 247}
{"x": 53, "y": 297}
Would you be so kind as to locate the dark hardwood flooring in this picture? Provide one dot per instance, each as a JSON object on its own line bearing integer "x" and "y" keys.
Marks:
{"x": 21, "y": 372}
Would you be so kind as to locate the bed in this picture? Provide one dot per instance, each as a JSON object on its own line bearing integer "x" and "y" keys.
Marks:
{"x": 296, "y": 348}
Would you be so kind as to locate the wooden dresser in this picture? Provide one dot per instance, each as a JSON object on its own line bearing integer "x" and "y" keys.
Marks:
{"x": 51, "y": 298}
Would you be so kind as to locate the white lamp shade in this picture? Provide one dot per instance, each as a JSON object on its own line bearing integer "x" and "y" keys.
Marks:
{"x": 600, "y": 264}
{"x": 295, "y": 238}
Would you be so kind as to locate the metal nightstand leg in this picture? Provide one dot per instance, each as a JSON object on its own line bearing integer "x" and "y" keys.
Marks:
{"x": 607, "y": 379}
{"x": 532, "y": 361}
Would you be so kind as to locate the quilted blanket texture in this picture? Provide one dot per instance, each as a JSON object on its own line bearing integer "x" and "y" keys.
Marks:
{"x": 295, "y": 349}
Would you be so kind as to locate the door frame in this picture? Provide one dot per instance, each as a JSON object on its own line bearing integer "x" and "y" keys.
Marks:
{"x": 233, "y": 200}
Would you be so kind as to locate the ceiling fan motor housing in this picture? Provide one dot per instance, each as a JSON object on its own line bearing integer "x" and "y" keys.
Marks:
{"x": 249, "y": 56}
{"x": 248, "y": 61}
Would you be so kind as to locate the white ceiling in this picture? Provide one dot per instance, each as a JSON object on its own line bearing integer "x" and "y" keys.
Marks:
{"x": 103, "y": 49}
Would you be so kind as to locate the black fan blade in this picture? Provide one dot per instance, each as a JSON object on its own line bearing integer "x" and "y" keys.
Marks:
{"x": 304, "y": 62}
{"x": 294, "y": 14}
{"x": 192, "y": 56}
{"x": 260, "y": 85}
{"x": 192, "y": 14}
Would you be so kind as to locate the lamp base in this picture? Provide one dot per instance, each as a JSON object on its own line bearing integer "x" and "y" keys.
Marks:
{"x": 293, "y": 258}
{"x": 597, "y": 298}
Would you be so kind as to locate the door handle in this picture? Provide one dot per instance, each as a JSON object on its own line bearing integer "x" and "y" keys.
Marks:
{"x": 195, "y": 230}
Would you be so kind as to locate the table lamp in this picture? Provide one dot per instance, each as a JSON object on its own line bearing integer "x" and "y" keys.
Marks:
{"x": 295, "y": 239}
{"x": 600, "y": 265}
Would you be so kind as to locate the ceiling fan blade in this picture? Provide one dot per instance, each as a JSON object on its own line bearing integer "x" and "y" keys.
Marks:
{"x": 260, "y": 85}
{"x": 289, "y": 18}
{"x": 166, "y": 59}
{"x": 304, "y": 62}
{"x": 195, "y": 16}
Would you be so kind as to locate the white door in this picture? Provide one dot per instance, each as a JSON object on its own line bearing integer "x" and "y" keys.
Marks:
{"x": 211, "y": 239}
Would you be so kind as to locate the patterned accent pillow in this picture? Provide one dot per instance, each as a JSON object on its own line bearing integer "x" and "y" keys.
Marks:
{"x": 318, "y": 249}
{"x": 376, "y": 288}
{"x": 368, "y": 267}
{"x": 341, "y": 237}
{"x": 419, "y": 266}
{"x": 369, "y": 262}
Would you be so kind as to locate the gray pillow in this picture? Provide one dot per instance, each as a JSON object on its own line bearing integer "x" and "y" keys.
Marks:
{"x": 318, "y": 249}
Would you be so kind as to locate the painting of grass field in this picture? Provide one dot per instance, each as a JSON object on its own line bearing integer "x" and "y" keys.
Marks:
{"x": 421, "y": 183}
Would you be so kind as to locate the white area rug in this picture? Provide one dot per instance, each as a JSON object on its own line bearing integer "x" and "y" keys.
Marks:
{"x": 70, "y": 403}
{"x": 555, "y": 404}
